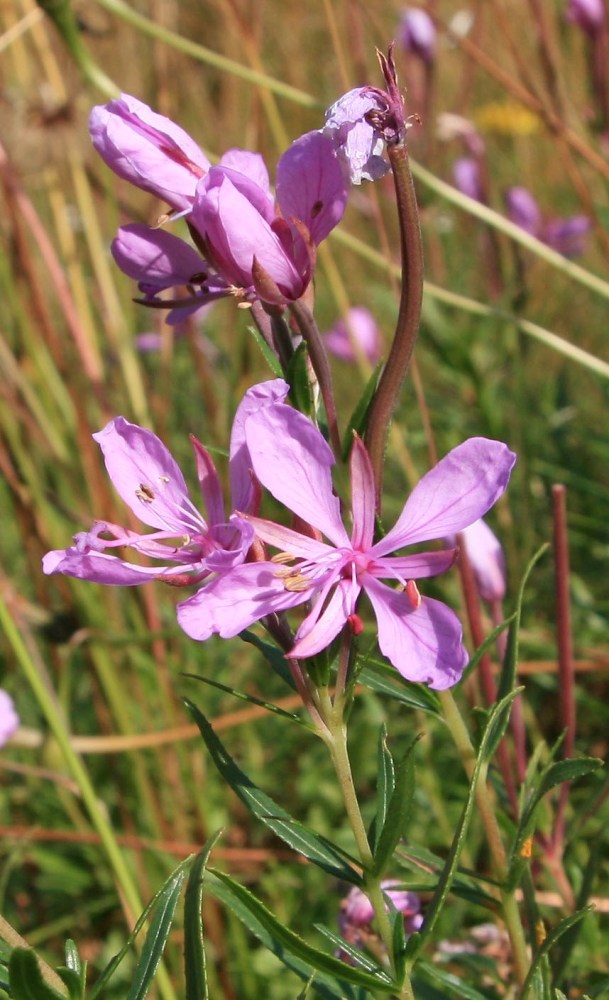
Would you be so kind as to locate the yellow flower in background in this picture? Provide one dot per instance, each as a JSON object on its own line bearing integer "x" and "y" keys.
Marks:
{"x": 506, "y": 118}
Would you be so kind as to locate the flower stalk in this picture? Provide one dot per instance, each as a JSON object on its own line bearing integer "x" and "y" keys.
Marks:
{"x": 409, "y": 316}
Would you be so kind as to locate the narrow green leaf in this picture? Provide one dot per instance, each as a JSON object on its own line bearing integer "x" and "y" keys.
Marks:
{"x": 380, "y": 677}
{"x": 194, "y": 949}
{"x": 450, "y": 867}
{"x": 114, "y": 962}
{"x": 359, "y": 417}
{"x": 554, "y": 774}
{"x": 25, "y": 978}
{"x": 451, "y": 985}
{"x": 298, "y": 375}
{"x": 249, "y": 698}
{"x": 555, "y": 934}
{"x": 271, "y": 359}
{"x": 398, "y": 810}
{"x": 156, "y": 938}
{"x": 510, "y": 660}
{"x": 73, "y": 958}
{"x": 285, "y": 942}
{"x": 489, "y": 643}
{"x": 317, "y": 849}
{"x": 361, "y": 959}
{"x": 73, "y": 982}
{"x": 385, "y": 783}
{"x": 273, "y": 656}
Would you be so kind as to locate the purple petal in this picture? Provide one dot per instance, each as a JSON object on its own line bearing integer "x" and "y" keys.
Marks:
{"x": 292, "y": 542}
{"x": 234, "y": 540}
{"x": 486, "y": 558}
{"x": 523, "y": 210}
{"x": 363, "y": 497}
{"x": 311, "y": 639}
{"x": 256, "y": 398}
{"x": 466, "y": 175}
{"x": 293, "y": 461}
{"x": 251, "y": 166}
{"x": 459, "y": 490}
{"x": 209, "y": 481}
{"x": 423, "y": 644}
{"x": 148, "y": 150}
{"x": 146, "y": 476}
{"x": 99, "y": 567}
{"x": 9, "y": 720}
{"x": 233, "y": 602}
{"x": 311, "y": 186}
{"x": 154, "y": 257}
{"x": 237, "y": 233}
{"x": 358, "y": 327}
{"x": 416, "y": 567}
{"x": 417, "y": 34}
{"x": 355, "y": 141}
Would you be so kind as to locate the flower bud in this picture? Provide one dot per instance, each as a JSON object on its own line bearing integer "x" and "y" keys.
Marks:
{"x": 9, "y": 720}
{"x": 587, "y": 14}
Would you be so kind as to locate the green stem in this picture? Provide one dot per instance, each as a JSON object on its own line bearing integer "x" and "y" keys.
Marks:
{"x": 409, "y": 316}
{"x": 54, "y": 716}
{"x": 335, "y": 738}
{"x": 511, "y": 914}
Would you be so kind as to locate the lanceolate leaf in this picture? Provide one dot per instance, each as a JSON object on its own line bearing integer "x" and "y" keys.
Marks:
{"x": 508, "y": 672}
{"x": 268, "y": 355}
{"x": 450, "y": 867}
{"x": 25, "y": 978}
{"x": 249, "y": 698}
{"x": 317, "y": 849}
{"x": 547, "y": 945}
{"x": 385, "y": 783}
{"x": 117, "y": 959}
{"x": 156, "y": 938}
{"x": 398, "y": 811}
{"x": 285, "y": 943}
{"x": 194, "y": 949}
{"x": 273, "y": 656}
{"x": 380, "y": 677}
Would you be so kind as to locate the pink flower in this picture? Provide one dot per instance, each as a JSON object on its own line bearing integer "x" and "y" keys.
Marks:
{"x": 357, "y": 910}
{"x": 565, "y": 235}
{"x": 421, "y": 637}
{"x": 157, "y": 260}
{"x": 466, "y": 176}
{"x": 150, "y": 482}
{"x": 363, "y": 120}
{"x": 417, "y": 34}
{"x": 248, "y": 244}
{"x": 359, "y": 327}
{"x": 9, "y": 720}
{"x": 148, "y": 150}
{"x": 587, "y": 14}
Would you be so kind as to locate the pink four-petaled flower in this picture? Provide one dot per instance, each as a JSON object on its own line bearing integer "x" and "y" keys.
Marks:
{"x": 421, "y": 637}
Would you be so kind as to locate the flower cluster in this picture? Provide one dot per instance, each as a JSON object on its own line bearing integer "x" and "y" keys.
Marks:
{"x": 247, "y": 244}
{"x": 357, "y": 913}
{"x": 288, "y": 456}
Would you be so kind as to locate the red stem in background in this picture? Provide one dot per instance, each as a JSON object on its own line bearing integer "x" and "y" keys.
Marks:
{"x": 566, "y": 689}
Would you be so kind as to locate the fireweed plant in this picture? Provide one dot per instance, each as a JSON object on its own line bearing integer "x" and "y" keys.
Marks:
{"x": 323, "y": 582}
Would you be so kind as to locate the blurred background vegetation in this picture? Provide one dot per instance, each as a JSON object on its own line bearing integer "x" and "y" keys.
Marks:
{"x": 512, "y": 345}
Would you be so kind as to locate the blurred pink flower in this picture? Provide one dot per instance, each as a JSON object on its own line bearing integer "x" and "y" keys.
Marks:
{"x": 466, "y": 176}
{"x": 9, "y": 720}
{"x": 565, "y": 235}
{"x": 486, "y": 558}
{"x": 358, "y": 326}
{"x": 417, "y": 34}
{"x": 587, "y": 14}
{"x": 421, "y": 637}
